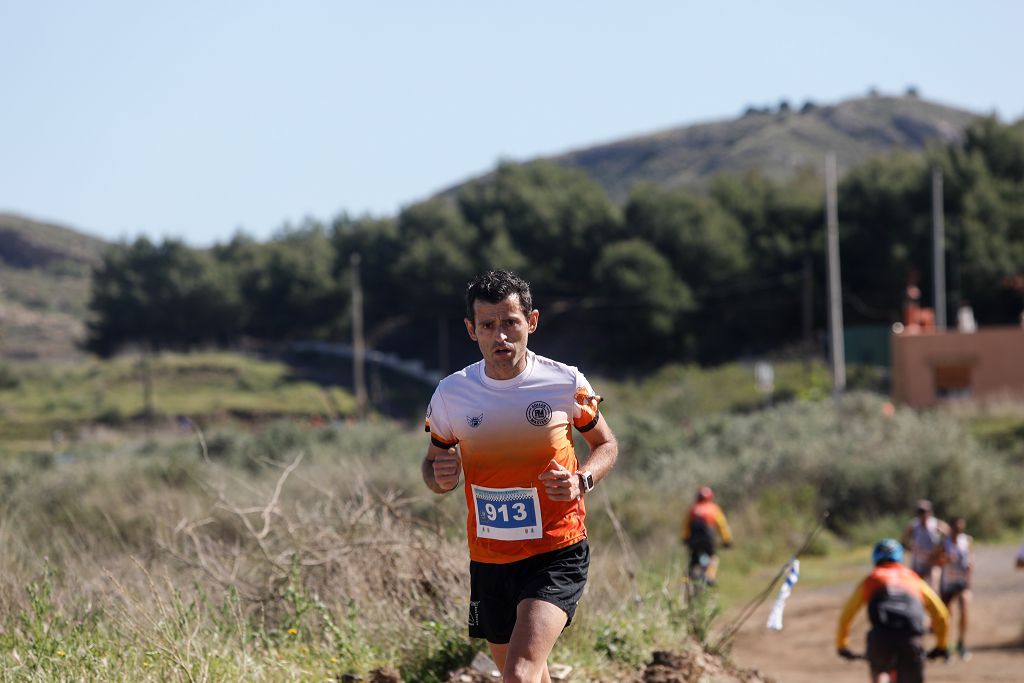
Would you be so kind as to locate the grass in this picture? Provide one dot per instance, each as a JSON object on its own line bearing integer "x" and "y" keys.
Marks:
{"x": 683, "y": 393}
{"x": 295, "y": 551}
{"x": 37, "y": 399}
{"x": 64, "y": 290}
{"x": 150, "y": 564}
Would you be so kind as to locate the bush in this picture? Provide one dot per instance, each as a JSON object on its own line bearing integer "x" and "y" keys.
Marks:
{"x": 346, "y": 563}
{"x": 857, "y": 463}
{"x": 9, "y": 379}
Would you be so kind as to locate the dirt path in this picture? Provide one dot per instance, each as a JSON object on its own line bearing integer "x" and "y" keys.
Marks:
{"x": 805, "y": 651}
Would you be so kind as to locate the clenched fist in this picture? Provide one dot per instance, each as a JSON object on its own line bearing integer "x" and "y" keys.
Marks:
{"x": 560, "y": 483}
{"x": 447, "y": 469}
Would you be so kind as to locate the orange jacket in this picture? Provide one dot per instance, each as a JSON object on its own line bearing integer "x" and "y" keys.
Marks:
{"x": 712, "y": 516}
{"x": 893, "y": 576}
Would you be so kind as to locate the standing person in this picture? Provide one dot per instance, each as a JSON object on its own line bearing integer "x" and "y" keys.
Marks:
{"x": 957, "y": 562}
{"x": 506, "y": 423}
{"x": 923, "y": 537}
{"x": 896, "y": 599}
{"x": 703, "y": 522}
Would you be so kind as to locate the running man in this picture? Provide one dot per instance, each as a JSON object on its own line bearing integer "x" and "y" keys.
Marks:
{"x": 957, "y": 562}
{"x": 703, "y": 522}
{"x": 896, "y": 599}
{"x": 506, "y": 423}
{"x": 923, "y": 537}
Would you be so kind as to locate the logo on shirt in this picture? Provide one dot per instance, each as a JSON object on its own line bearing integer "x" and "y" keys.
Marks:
{"x": 539, "y": 413}
{"x": 474, "y": 421}
{"x": 430, "y": 409}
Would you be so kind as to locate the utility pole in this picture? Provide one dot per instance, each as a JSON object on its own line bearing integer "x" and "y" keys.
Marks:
{"x": 358, "y": 340}
{"x": 938, "y": 250}
{"x": 835, "y": 293}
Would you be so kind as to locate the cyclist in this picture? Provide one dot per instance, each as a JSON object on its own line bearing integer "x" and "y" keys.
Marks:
{"x": 957, "y": 561}
{"x": 703, "y": 521}
{"x": 896, "y": 598}
{"x": 505, "y": 423}
{"x": 923, "y": 537}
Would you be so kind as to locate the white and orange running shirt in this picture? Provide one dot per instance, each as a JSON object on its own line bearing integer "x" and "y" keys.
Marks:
{"x": 508, "y": 431}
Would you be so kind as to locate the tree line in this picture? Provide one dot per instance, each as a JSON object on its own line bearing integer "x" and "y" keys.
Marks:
{"x": 669, "y": 275}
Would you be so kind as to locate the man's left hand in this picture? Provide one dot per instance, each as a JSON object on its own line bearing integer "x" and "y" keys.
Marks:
{"x": 560, "y": 483}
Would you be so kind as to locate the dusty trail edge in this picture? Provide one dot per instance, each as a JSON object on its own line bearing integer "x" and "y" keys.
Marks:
{"x": 804, "y": 652}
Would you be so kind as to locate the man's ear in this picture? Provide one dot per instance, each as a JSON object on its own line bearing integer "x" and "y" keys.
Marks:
{"x": 532, "y": 320}
{"x": 470, "y": 329}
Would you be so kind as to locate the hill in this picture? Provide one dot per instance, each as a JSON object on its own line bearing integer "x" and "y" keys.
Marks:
{"x": 25, "y": 243}
{"x": 44, "y": 287}
{"x": 778, "y": 142}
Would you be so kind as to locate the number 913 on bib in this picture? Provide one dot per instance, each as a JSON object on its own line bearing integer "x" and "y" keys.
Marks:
{"x": 507, "y": 514}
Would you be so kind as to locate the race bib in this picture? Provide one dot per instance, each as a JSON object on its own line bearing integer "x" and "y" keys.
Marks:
{"x": 507, "y": 514}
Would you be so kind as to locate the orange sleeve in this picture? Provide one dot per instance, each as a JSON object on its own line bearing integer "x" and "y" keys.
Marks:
{"x": 938, "y": 612}
{"x": 853, "y": 605}
{"x": 723, "y": 525}
{"x": 589, "y": 415}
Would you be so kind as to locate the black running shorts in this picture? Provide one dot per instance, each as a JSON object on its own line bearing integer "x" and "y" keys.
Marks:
{"x": 557, "y": 577}
{"x": 952, "y": 589}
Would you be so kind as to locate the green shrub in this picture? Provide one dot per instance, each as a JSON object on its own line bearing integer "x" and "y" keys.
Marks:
{"x": 440, "y": 648}
{"x": 9, "y": 378}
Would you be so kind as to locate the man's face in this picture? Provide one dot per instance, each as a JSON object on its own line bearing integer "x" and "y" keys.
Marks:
{"x": 501, "y": 331}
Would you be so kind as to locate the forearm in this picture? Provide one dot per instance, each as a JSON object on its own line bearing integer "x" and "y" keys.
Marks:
{"x": 723, "y": 527}
{"x": 939, "y": 614}
{"x": 850, "y": 609}
{"x": 602, "y": 459}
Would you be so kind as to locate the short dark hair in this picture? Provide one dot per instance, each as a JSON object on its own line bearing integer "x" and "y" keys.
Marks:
{"x": 495, "y": 286}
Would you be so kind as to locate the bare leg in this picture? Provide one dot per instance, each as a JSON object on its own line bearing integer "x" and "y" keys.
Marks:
{"x": 498, "y": 653}
{"x": 936, "y": 577}
{"x": 538, "y": 625}
{"x": 965, "y": 601}
{"x": 711, "y": 573}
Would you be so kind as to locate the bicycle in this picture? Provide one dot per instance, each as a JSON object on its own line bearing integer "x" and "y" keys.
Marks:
{"x": 934, "y": 653}
{"x": 696, "y": 580}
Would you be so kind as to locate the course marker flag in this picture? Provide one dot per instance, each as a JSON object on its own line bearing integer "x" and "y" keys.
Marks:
{"x": 775, "y": 618}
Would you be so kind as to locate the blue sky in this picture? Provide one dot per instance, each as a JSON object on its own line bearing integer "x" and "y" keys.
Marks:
{"x": 196, "y": 119}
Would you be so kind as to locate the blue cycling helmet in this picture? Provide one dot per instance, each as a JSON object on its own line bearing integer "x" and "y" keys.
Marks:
{"x": 887, "y": 550}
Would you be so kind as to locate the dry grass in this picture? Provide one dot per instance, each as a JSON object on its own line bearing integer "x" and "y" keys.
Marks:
{"x": 203, "y": 568}
{"x": 295, "y": 553}
{"x": 328, "y": 558}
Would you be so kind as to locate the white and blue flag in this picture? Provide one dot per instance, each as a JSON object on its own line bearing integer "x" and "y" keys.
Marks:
{"x": 792, "y": 576}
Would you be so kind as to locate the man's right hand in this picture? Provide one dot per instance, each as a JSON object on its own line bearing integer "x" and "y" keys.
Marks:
{"x": 447, "y": 469}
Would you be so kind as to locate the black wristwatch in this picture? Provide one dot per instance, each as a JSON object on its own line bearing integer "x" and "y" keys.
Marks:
{"x": 586, "y": 481}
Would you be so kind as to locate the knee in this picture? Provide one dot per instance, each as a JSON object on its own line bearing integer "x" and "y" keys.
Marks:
{"x": 521, "y": 671}
{"x": 515, "y": 677}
